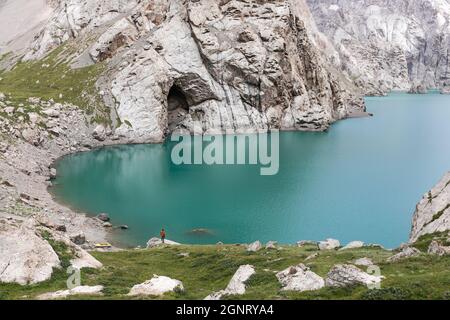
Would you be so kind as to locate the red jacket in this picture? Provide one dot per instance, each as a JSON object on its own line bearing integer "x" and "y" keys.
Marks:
{"x": 162, "y": 234}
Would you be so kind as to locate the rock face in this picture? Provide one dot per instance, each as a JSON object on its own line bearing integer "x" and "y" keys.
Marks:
{"x": 236, "y": 286}
{"x": 156, "y": 286}
{"x": 388, "y": 44}
{"x": 300, "y": 278}
{"x": 433, "y": 211}
{"x": 81, "y": 290}
{"x": 347, "y": 275}
{"x": 203, "y": 66}
{"x": 25, "y": 257}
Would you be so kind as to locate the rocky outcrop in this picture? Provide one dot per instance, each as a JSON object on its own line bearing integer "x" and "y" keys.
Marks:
{"x": 438, "y": 249}
{"x": 25, "y": 257}
{"x": 348, "y": 275}
{"x": 236, "y": 286}
{"x": 405, "y": 253}
{"x": 81, "y": 290}
{"x": 433, "y": 211}
{"x": 363, "y": 262}
{"x": 203, "y": 66}
{"x": 157, "y": 286}
{"x": 299, "y": 278}
{"x": 385, "y": 44}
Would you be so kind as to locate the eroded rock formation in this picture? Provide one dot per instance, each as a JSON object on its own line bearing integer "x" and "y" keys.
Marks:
{"x": 204, "y": 66}
{"x": 385, "y": 44}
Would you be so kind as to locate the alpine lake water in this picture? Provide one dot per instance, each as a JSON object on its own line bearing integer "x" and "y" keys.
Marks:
{"x": 360, "y": 180}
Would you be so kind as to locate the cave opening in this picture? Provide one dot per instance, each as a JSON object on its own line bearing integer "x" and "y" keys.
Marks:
{"x": 177, "y": 107}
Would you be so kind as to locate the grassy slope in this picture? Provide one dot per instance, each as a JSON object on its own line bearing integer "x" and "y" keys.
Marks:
{"x": 53, "y": 78}
{"x": 209, "y": 268}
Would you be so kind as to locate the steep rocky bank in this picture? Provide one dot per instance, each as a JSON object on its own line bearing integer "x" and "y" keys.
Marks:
{"x": 385, "y": 45}
{"x": 433, "y": 211}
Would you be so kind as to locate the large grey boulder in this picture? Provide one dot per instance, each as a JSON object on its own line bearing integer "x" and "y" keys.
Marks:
{"x": 25, "y": 257}
{"x": 157, "y": 286}
{"x": 433, "y": 211}
{"x": 344, "y": 275}
{"x": 236, "y": 286}
{"x": 300, "y": 278}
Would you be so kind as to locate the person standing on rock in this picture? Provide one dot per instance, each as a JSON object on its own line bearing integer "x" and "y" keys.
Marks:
{"x": 163, "y": 235}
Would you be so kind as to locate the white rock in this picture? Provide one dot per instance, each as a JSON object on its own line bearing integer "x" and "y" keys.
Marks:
{"x": 155, "y": 242}
{"x": 438, "y": 249}
{"x": 24, "y": 256}
{"x": 271, "y": 245}
{"x": 406, "y": 252}
{"x": 255, "y": 246}
{"x": 236, "y": 286}
{"x": 353, "y": 245}
{"x": 80, "y": 290}
{"x": 329, "y": 244}
{"x": 300, "y": 278}
{"x": 347, "y": 275}
{"x": 363, "y": 262}
{"x": 157, "y": 286}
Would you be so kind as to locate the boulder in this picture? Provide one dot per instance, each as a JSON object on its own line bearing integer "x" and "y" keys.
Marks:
{"x": 80, "y": 290}
{"x": 103, "y": 217}
{"x": 418, "y": 89}
{"x": 344, "y": 275}
{"x": 353, "y": 245}
{"x": 406, "y": 252}
{"x": 299, "y": 278}
{"x": 78, "y": 238}
{"x": 303, "y": 243}
{"x": 51, "y": 112}
{"x": 271, "y": 245}
{"x": 236, "y": 286}
{"x": 53, "y": 173}
{"x": 329, "y": 244}
{"x": 155, "y": 242}
{"x": 25, "y": 257}
{"x": 363, "y": 262}
{"x": 254, "y": 247}
{"x": 438, "y": 249}
{"x": 157, "y": 286}
{"x": 99, "y": 133}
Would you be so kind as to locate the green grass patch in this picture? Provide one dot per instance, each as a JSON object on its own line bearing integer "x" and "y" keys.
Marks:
{"x": 53, "y": 78}
{"x": 209, "y": 268}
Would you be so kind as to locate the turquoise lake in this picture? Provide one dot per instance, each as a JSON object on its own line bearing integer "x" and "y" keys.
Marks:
{"x": 360, "y": 180}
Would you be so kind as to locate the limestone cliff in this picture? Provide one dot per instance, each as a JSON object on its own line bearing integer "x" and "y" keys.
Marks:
{"x": 389, "y": 44}
{"x": 433, "y": 211}
{"x": 203, "y": 66}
